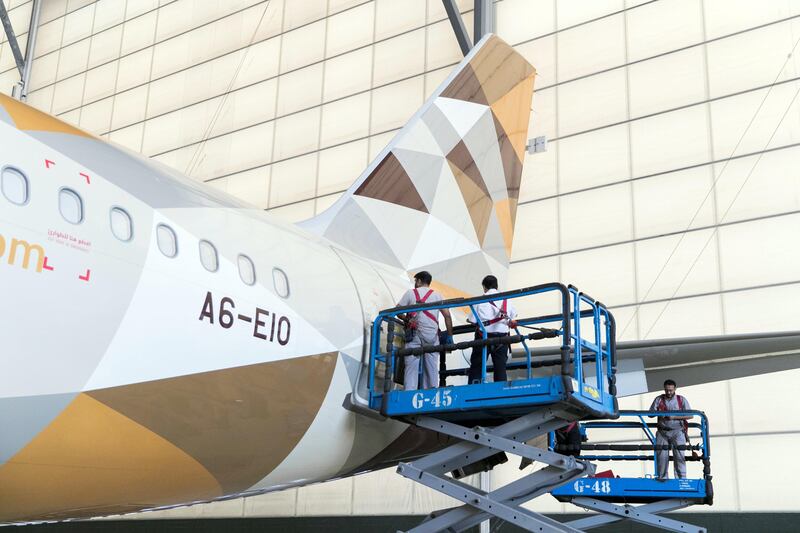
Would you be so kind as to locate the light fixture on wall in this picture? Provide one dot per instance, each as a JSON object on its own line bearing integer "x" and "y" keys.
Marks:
{"x": 537, "y": 145}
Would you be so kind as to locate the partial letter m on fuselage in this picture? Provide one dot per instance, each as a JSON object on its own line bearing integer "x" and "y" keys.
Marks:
{"x": 28, "y": 249}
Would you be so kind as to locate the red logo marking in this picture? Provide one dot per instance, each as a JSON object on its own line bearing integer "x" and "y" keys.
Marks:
{"x": 88, "y": 181}
{"x": 47, "y": 163}
{"x": 85, "y": 277}
{"x": 45, "y": 265}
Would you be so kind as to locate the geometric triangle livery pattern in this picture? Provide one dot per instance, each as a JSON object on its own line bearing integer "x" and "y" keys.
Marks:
{"x": 461, "y": 159}
{"x": 116, "y": 426}
{"x": 466, "y": 142}
{"x": 512, "y": 132}
{"x": 182, "y": 411}
{"x": 29, "y": 118}
{"x": 390, "y": 182}
{"x": 424, "y": 169}
{"x": 476, "y": 199}
{"x": 193, "y": 437}
{"x": 473, "y": 188}
{"x": 158, "y": 429}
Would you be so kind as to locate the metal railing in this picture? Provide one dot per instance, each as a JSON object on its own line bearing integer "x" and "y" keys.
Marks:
{"x": 698, "y": 452}
{"x": 579, "y": 344}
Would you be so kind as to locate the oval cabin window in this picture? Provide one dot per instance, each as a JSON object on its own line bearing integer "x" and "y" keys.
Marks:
{"x": 247, "y": 270}
{"x": 281, "y": 282}
{"x": 167, "y": 241}
{"x": 15, "y": 186}
{"x": 208, "y": 256}
{"x": 121, "y": 224}
{"x": 71, "y": 206}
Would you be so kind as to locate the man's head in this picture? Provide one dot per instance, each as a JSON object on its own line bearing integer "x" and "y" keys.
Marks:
{"x": 669, "y": 388}
{"x": 489, "y": 282}
{"x": 422, "y": 279}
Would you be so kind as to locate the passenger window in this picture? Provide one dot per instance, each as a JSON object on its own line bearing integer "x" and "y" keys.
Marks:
{"x": 121, "y": 224}
{"x": 71, "y": 206}
{"x": 208, "y": 256}
{"x": 15, "y": 186}
{"x": 280, "y": 282}
{"x": 167, "y": 241}
{"x": 247, "y": 270}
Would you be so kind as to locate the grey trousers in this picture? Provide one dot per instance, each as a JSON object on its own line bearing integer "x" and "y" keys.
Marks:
{"x": 430, "y": 370}
{"x": 670, "y": 437}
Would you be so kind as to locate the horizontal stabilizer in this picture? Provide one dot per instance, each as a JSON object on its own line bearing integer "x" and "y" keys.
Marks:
{"x": 696, "y": 360}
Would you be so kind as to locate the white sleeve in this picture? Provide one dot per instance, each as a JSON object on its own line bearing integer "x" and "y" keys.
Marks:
{"x": 480, "y": 311}
{"x": 654, "y": 405}
{"x": 512, "y": 311}
{"x": 407, "y": 299}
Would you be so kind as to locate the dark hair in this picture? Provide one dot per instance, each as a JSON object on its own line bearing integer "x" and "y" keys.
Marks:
{"x": 424, "y": 276}
{"x": 489, "y": 282}
{"x": 670, "y": 382}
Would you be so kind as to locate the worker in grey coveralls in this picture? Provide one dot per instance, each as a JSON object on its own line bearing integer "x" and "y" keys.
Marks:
{"x": 671, "y": 430}
{"x": 425, "y": 333}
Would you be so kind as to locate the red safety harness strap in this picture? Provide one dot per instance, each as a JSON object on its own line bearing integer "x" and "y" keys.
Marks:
{"x": 662, "y": 403}
{"x": 503, "y": 313}
{"x": 568, "y": 427}
{"x": 422, "y": 301}
{"x": 662, "y": 406}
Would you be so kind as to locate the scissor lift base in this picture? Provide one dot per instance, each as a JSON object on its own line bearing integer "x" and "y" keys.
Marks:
{"x": 478, "y": 444}
{"x": 645, "y": 514}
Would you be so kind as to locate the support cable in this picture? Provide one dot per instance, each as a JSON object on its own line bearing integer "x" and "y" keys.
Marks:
{"x": 30, "y": 49}
{"x": 12, "y": 38}
{"x": 458, "y": 25}
{"x": 725, "y": 214}
{"x": 195, "y": 160}
{"x": 707, "y": 196}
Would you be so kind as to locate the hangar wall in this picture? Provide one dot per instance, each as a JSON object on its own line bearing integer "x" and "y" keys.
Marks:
{"x": 283, "y": 103}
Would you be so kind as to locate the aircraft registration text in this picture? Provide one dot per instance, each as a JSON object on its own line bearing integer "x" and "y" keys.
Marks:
{"x": 266, "y": 326}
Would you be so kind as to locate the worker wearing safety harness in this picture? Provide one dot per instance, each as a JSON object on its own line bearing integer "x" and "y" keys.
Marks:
{"x": 672, "y": 431}
{"x": 496, "y": 318}
{"x": 423, "y": 329}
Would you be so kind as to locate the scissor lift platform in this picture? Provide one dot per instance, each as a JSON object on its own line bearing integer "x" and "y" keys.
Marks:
{"x": 481, "y": 403}
{"x": 592, "y": 349}
{"x": 489, "y": 418}
{"x": 634, "y": 490}
{"x": 614, "y": 497}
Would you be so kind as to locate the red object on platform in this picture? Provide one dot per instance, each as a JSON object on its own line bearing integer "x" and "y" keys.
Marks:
{"x": 605, "y": 473}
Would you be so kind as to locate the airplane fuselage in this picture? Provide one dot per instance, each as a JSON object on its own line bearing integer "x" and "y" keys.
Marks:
{"x": 165, "y": 344}
{"x": 101, "y": 326}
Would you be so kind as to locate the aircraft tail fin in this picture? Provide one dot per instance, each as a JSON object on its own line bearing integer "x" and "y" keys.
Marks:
{"x": 442, "y": 196}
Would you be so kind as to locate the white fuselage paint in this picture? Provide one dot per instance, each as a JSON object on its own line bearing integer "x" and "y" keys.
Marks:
{"x": 138, "y": 315}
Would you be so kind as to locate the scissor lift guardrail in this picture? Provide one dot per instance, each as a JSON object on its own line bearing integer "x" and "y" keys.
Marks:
{"x": 613, "y": 497}
{"x": 490, "y": 418}
{"x": 594, "y": 394}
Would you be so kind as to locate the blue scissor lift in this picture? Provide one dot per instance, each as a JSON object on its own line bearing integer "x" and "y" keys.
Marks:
{"x": 614, "y": 497}
{"x": 488, "y": 418}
